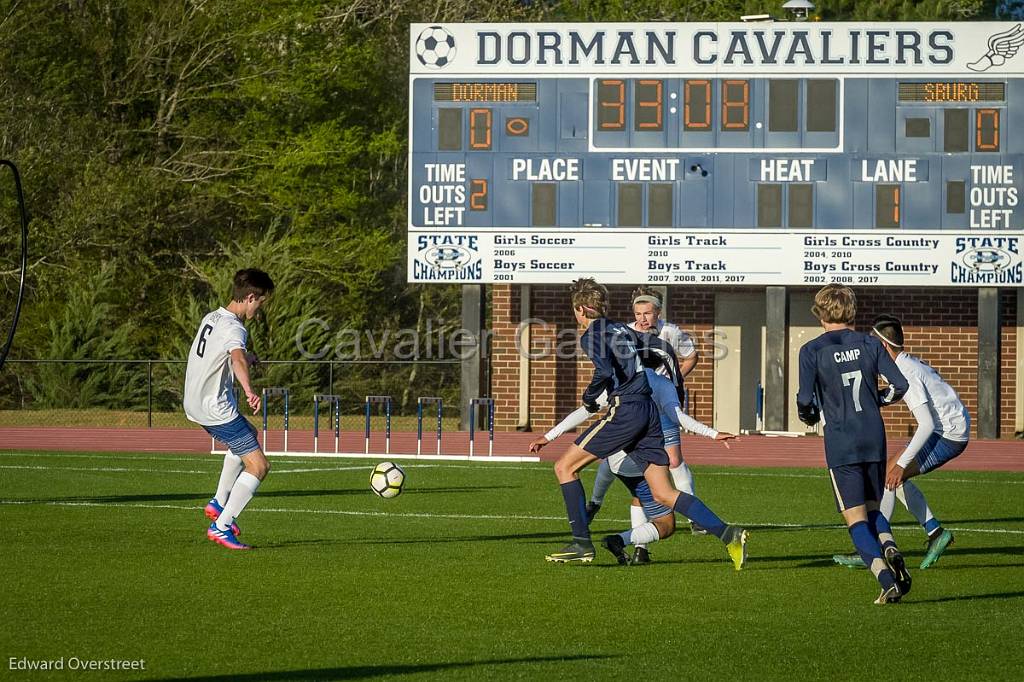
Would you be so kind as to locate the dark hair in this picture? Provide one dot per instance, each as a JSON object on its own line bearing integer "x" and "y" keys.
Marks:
{"x": 593, "y": 297}
{"x": 889, "y": 329}
{"x": 251, "y": 281}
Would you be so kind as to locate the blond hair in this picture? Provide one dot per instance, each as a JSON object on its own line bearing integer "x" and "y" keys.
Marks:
{"x": 646, "y": 294}
{"x": 591, "y": 296}
{"x": 835, "y": 304}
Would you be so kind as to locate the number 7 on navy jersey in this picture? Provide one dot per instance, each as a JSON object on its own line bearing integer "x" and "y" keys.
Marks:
{"x": 854, "y": 379}
{"x": 201, "y": 345}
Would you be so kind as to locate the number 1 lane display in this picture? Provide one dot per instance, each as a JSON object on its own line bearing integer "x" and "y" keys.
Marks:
{"x": 717, "y": 153}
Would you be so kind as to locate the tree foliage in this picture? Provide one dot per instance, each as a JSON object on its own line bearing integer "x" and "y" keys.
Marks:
{"x": 164, "y": 143}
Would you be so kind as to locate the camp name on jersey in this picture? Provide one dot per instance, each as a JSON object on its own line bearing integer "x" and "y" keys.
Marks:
{"x": 847, "y": 355}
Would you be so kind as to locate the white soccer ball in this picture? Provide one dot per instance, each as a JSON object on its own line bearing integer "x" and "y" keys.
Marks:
{"x": 387, "y": 480}
{"x": 435, "y": 47}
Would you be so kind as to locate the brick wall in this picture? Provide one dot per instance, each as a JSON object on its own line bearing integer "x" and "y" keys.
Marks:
{"x": 940, "y": 326}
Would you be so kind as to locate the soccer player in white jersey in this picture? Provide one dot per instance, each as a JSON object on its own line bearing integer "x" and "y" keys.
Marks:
{"x": 650, "y": 520}
{"x": 943, "y": 431}
{"x": 647, "y": 318}
{"x": 216, "y": 358}
{"x": 647, "y": 307}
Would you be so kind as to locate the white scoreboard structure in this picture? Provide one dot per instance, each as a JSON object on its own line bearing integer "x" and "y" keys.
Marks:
{"x": 717, "y": 154}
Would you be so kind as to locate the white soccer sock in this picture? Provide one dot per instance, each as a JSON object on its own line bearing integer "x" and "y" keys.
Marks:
{"x": 604, "y": 480}
{"x": 642, "y": 535}
{"x": 232, "y": 467}
{"x": 682, "y": 478}
{"x": 637, "y": 519}
{"x": 888, "y": 503}
{"x": 912, "y": 497}
{"x": 243, "y": 490}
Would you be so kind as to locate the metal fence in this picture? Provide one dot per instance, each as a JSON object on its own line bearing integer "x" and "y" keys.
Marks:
{"x": 148, "y": 393}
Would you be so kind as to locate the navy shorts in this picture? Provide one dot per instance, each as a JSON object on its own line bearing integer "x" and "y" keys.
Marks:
{"x": 238, "y": 434}
{"x": 857, "y": 484}
{"x": 937, "y": 451}
{"x": 639, "y": 489}
{"x": 632, "y": 424}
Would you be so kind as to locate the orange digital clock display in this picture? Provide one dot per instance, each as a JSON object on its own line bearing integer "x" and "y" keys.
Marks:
{"x": 952, "y": 91}
{"x": 485, "y": 92}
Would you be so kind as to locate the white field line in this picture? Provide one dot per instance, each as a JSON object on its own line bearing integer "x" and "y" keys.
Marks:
{"x": 114, "y": 470}
{"x": 427, "y": 515}
{"x": 279, "y": 470}
{"x": 199, "y": 457}
{"x": 118, "y": 470}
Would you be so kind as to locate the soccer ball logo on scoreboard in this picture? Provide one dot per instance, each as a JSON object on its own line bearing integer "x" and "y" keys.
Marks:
{"x": 435, "y": 47}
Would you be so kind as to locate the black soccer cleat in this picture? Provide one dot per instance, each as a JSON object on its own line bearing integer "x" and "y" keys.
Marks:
{"x": 894, "y": 560}
{"x": 641, "y": 556}
{"x": 592, "y": 510}
{"x": 615, "y": 545}
{"x": 577, "y": 550}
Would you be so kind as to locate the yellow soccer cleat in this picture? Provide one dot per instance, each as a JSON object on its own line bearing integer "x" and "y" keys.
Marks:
{"x": 736, "y": 544}
{"x": 577, "y": 550}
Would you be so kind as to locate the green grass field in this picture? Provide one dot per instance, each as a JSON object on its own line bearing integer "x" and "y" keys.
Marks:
{"x": 105, "y": 556}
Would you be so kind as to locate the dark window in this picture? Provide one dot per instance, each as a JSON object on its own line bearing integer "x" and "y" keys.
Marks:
{"x": 449, "y": 129}
{"x": 631, "y": 205}
{"x": 782, "y": 106}
{"x": 918, "y": 127}
{"x": 956, "y": 196}
{"x": 821, "y": 106}
{"x": 659, "y": 205}
{"x": 801, "y": 205}
{"x": 544, "y": 196}
{"x": 769, "y": 205}
{"x": 887, "y": 205}
{"x": 955, "y": 130}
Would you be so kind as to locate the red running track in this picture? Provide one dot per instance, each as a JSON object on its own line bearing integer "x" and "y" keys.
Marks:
{"x": 746, "y": 451}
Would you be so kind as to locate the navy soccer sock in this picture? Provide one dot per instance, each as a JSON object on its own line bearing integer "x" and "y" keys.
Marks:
{"x": 692, "y": 508}
{"x": 870, "y": 551}
{"x": 882, "y": 530}
{"x": 576, "y": 508}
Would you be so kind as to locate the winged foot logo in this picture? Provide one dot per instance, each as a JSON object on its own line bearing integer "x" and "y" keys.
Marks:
{"x": 1001, "y": 46}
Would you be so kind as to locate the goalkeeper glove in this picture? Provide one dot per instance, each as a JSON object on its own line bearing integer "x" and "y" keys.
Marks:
{"x": 809, "y": 414}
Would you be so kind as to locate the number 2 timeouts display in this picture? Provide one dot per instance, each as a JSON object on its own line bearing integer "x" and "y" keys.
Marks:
{"x": 748, "y": 153}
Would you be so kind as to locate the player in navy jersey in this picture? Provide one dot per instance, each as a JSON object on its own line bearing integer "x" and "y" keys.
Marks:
{"x": 943, "y": 431}
{"x": 839, "y": 373}
{"x": 650, "y": 521}
{"x": 631, "y": 424}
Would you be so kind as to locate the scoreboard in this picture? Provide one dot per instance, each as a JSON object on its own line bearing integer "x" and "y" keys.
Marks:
{"x": 717, "y": 154}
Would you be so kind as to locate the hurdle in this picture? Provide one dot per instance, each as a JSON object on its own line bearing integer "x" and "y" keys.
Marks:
{"x": 268, "y": 393}
{"x": 386, "y": 400}
{"x": 424, "y": 410}
{"x": 335, "y": 402}
{"x": 473, "y": 405}
{"x": 422, "y": 400}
